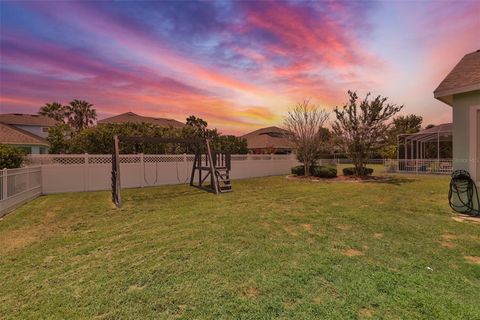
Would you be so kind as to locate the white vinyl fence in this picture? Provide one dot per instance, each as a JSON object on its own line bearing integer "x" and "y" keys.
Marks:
{"x": 435, "y": 166}
{"x": 18, "y": 186}
{"x": 70, "y": 173}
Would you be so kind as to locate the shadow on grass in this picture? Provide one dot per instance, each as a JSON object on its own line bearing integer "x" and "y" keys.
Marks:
{"x": 398, "y": 181}
{"x": 164, "y": 194}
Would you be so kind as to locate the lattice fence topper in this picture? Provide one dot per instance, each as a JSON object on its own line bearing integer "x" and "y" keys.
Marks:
{"x": 107, "y": 159}
{"x": 164, "y": 158}
{"x": 82, "y": 159}
{"x": 130, "y": 159}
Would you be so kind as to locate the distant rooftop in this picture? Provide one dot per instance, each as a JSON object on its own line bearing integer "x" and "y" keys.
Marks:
{"x": 26, "y": 119}
{"x": 269, "y": 137}
{"x": 135, "y": 118}
{"x": 12, "y": 135}
{"x": 464, "y": 77}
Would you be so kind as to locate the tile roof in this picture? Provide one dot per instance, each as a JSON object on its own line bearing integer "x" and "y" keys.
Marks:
{"x": 135, "y": 118}
{"x": 464, "y": 77}
{"x": 27, "y": 119}
{"x": 270, "y": 137}
{"x": 12, "y": 135}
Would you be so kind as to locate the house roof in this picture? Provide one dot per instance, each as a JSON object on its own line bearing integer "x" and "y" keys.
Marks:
{"x": 27, "y": 119}
{"x": 464, "y": 77}
{"x": 135, "y": 118}
{"x": 13, "y": 135}
{"x": 270, "y": 137}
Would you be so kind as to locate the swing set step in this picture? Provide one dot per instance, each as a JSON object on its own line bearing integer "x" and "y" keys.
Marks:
{"x": 224, "y": 189}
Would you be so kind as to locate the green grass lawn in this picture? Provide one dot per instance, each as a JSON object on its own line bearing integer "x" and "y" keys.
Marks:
{"x": 274, "y": 248}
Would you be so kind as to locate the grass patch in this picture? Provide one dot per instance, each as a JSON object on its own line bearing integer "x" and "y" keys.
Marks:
{"x": 272, "y": 248}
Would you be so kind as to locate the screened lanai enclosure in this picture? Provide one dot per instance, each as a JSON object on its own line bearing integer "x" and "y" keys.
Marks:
{"x": 427, "y": 151}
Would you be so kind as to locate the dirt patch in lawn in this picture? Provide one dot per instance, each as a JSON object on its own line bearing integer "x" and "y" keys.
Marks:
{"x": 352, "y": 253}
{"x": 472, "y": 259}
{"x": 466, "y": 218}
{"x": 365, "y": 313}
{"x": 378, "y": 235}
{"x": 307, "y": 227}
{"x": 23, "y": 237}
{"x": 344, "y": 227}
{"x": 447, "y": 245}
{"x": 448, "y": 236}
{"x": 251, "y": 292}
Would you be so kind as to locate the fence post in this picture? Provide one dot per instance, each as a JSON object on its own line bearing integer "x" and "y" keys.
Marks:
{"x": 142, "y": 170}
{"x": 185, "y": 166}
{"x": 85, "y": 172}
{"x": 4, "y": 184}
{"x": 40, "y": 168}
{"x": 28, "y": 178}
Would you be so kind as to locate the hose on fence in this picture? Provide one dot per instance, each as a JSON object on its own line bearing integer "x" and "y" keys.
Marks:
{"x": 465, "y": 191}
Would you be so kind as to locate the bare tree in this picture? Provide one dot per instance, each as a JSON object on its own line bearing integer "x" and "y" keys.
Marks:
{"x": 304, "y": 124}
{"x": 361, "y": 127}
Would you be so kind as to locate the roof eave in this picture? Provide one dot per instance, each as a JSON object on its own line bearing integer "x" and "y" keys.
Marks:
{"x": 446, "y": 96}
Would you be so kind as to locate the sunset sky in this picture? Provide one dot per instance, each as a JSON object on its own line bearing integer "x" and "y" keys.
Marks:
{"x": 239, "y": 65}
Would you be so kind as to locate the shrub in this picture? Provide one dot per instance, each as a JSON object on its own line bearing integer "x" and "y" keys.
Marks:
{"x": 298, "y": 170}
{"x": 316, "y": 171}
{"x": 324, "y": 172}
{"x": 352, "y": 171}
{"x": 10, "y": 157}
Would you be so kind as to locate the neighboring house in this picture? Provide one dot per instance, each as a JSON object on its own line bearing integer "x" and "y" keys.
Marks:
{"x": 461, "y": 90}
{"x": 22, "y": 139}
{"x": 33, "y": 123}
{"x": 135, "y": 118}
{"x": 26, "y": 131}
{"x": 268, "y": 140}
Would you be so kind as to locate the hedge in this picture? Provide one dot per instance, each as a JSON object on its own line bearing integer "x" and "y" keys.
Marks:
{"x": 316, "y": 171}
{"x": 353, "y": 171}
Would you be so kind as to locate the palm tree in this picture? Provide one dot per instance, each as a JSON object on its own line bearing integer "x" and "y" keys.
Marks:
{"x": 53, "y": 110}
{"x": 81, "y": 115}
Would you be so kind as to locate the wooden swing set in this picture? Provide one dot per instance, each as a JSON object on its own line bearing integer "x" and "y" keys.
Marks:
{"x": 212, "y": 167}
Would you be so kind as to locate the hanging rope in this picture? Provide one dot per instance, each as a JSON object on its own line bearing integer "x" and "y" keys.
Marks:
{"x": 465, "y": 191}
{"x": 156, "y": 169}
{"x": 145, "y": 174}
{"x": 185, "y": 174}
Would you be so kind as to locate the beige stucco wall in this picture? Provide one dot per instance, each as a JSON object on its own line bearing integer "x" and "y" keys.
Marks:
{"x": 462, "y": 133}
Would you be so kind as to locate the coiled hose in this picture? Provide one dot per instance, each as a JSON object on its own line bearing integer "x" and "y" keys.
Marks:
{"x": 465, "y": 191}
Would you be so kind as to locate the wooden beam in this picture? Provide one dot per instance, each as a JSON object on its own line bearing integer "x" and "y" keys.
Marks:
{"x": 117, "y": 197}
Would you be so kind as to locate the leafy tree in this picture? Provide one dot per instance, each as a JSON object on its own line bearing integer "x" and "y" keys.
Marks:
{"x": 361, "y": 126}
{"x": 59, "y": 138}
{"x": 231, "y": 144}
{"x": 99, "y": 139}
{"x": 400, "y": 125}
{"x": 195, "y": 122}
{"x": 304, "y": 124}
{"x": 80, "y": 115}
{"x": 10, "y": 157}
{"x": 54, "y": 110}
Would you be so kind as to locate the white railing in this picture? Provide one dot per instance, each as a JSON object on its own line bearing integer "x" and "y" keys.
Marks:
{"x": 18, "y": 186}
{"x": 370, "y": 161}
{"x": 436, "y": 166}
